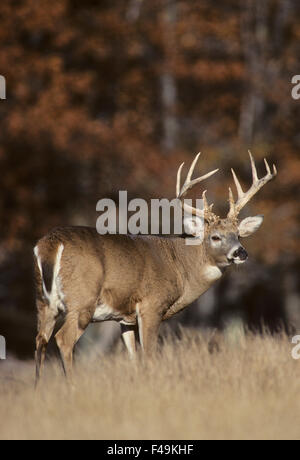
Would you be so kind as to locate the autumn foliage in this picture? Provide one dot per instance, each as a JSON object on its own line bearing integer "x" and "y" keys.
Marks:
{"x": 113, "y": 95}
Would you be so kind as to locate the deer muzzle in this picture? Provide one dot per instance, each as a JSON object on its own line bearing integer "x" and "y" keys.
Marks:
{"x": 237, "y": 255}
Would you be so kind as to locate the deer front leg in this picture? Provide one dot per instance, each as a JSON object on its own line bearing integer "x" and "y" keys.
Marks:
{"x": 129, "y": 335}
{"x": 149, "y": 319}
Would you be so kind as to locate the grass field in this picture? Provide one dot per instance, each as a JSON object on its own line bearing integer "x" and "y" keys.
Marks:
{"x": 244, "y": 389}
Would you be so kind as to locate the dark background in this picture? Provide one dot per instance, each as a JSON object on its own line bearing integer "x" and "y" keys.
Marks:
{"x": 113, "y": 95}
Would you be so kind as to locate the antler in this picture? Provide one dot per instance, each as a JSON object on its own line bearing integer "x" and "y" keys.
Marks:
{"x": 257, "y": 184}
{"x": 188, "y": 184}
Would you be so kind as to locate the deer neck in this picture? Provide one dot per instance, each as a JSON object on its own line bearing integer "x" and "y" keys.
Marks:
{"x": 198, "y": 271}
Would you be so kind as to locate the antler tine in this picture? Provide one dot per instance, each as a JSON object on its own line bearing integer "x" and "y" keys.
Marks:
{"x": 267, "y": 166}
{"x": 269, "y": 169}
{"x": 237, "y": 184}
{"x": 253, "y": 167}
{"x": 191, "y": 170}
{"x": 188, "y": 184}
{"x": 179, "y": 179}
{"x": 206, "y": 207}
{"x": 257, "y": 184}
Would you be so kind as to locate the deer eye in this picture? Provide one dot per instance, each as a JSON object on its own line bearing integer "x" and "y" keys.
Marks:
{"x": 216, "y": 238}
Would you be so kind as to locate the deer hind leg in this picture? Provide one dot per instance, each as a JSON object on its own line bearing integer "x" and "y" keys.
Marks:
{"x": 69, "y": 334}
{"x": 148, "y": 323}
{"x": 129, "y": 337}
{"x": 46, "y": 322}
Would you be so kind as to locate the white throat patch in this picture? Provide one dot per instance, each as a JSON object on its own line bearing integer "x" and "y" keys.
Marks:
{"x": 212, "y": 273}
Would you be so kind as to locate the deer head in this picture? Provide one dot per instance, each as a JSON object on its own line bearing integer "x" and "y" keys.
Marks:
{"x": 222, "y": 236}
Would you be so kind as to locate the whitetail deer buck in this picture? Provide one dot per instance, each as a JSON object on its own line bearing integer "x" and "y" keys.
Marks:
{"x": 138, "y": 281}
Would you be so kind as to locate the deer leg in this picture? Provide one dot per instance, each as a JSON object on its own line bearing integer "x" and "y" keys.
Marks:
{"x": 129, "y": 335}
{"x": 148, "y": 324}
{"x": 67, "y": 337}
{"x": 46, "y": 322}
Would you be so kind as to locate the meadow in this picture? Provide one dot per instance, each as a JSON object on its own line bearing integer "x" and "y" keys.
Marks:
{"x": 193, "y": 388}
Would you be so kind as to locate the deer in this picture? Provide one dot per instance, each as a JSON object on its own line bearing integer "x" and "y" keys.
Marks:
{"x": 137, "y": 280}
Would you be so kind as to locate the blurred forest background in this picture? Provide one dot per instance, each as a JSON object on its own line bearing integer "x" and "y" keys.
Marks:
{"x": 113, "y": 95}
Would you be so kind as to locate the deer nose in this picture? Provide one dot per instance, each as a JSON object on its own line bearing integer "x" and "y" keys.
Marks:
{"x": 240, "y": 253}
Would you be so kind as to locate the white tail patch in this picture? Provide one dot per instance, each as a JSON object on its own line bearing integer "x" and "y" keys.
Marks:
{"x": 56, "y": 296}
{"x": 38, "y": 259}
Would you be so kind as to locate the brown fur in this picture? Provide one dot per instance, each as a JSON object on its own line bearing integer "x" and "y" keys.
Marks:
{"x": 143, "y": 279}
{"x": 120, "y": 271}
{"x": 136, "y": 280}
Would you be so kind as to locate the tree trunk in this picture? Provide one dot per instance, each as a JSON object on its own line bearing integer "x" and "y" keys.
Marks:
{"x": 167, "y": 79}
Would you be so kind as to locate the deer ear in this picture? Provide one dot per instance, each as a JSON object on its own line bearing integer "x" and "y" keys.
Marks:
{"x": 194, "y": 226}
{"x": 249, "y": 225}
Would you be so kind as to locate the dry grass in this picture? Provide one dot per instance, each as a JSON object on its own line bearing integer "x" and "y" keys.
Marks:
{"x": 249, "y": 389}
